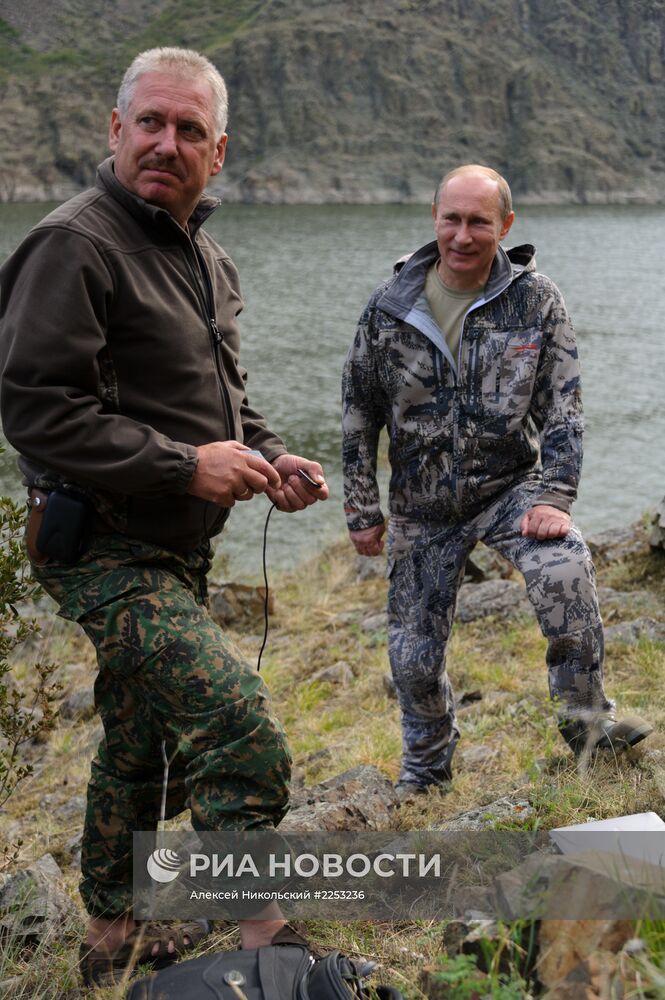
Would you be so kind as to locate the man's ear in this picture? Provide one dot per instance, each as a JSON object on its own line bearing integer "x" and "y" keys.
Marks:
{"x": 220, "y": 153}
{"x": 114, "y": 130}
{"x": 506, "y": 224}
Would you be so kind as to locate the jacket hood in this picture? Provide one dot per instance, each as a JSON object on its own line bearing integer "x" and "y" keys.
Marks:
{"x": 411, "y": 271}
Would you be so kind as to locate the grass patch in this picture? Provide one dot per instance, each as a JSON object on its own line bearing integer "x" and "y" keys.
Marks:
{"x": 644, "y": 569}
{"x": 197, "y": 25}
{"x": 331, "y": 726}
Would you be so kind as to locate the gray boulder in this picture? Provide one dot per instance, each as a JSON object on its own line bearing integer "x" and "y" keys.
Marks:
{"x": 617, "y": 543}
{"x": 632, "y": 632}
{"x": 592, "y": 886}
{"x": 337, "y": 673}
{"x": 359, "y": 799}
{"x": 239, "y": 603}
{"x": 486, "y": 564}
{"x": 33, "y": 903}
{"x": 389, "y": 685}
{"x": 627, "y": 603}
{"x": 501, "y": 598}
{"x": 503, "y": 810}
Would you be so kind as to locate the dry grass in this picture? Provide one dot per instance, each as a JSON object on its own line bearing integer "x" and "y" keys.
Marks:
{"x": 312, "y": 628}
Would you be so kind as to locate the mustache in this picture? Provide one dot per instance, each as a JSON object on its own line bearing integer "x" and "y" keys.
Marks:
{"x": 162, "y": 163}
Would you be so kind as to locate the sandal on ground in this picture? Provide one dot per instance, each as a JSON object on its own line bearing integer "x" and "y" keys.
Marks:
{"x": 289, "y": 935}
{"x": 102, "y": 968}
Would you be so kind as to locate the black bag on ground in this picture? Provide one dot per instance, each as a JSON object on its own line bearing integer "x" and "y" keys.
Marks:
{"x": 284, "y": 972}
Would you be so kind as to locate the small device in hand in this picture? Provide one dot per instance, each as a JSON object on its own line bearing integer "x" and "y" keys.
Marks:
{"x": 308, "y": 479}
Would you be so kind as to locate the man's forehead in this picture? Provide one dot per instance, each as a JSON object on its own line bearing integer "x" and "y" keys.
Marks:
{"x": 168, "y": 89}
{"x": 471, "y": 189}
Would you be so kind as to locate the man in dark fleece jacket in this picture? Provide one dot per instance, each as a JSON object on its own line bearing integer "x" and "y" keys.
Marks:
{"x": 467, "y": 356}
{"x": 123, "y": 394}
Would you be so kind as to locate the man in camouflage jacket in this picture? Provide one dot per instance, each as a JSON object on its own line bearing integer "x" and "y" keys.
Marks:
{"x": 468, "y": 358}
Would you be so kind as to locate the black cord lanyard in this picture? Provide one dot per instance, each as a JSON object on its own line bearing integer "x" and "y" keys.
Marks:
{"x": 265, "y": 581}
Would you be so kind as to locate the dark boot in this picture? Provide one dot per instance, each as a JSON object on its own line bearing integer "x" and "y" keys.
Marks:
{"x": 443, "y": 776}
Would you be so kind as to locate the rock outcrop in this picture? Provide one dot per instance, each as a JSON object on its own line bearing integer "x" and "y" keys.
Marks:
{"x": 359, "y": 799}
{"x": 362, "y": 102}
{"x": 33, "y": 903}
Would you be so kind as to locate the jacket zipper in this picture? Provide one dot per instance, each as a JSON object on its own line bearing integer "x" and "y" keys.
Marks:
{"x": 456, "y": 465}
{"x": 473, "y": 357}
{"x": 203, "y": 286}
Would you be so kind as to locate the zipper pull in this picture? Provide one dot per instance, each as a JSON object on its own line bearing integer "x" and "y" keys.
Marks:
{"x": 215, "y": 330}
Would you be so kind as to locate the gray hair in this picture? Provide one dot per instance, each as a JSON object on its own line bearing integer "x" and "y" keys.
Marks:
{"x": 181, "y": 62}
{"x": 505, "y": 197}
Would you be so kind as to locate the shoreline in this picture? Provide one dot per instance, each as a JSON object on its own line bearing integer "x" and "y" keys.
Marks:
{"x": 233, "y": 194}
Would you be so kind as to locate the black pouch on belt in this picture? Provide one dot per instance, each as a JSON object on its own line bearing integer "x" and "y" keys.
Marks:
{"x": 59, "y": 526}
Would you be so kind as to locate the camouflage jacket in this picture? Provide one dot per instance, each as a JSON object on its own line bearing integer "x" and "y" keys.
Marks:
{"x": 462, "y": 430}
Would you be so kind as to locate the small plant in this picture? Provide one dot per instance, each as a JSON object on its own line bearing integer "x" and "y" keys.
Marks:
{"x": 645, "y": 958}
{"x": 25, "y": 711}
{"x": 461, "y": 979}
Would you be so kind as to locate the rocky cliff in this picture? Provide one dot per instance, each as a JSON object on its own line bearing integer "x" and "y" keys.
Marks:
{"x": 357, "y": 100}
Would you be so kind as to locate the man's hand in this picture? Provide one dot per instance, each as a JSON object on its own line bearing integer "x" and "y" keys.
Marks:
{"x": 295, "y": 493}
{"x": 543, "y": 522}
{"x": 226, "y": 471}
{"x": 369, "y": 541}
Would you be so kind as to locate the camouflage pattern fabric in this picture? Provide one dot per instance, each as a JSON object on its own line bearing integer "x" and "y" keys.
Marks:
{"x": 426, "y": 566}
{"x": 461, "y": 430}
{"x": 166, "y": 672}
{"x": 474, "y": 440}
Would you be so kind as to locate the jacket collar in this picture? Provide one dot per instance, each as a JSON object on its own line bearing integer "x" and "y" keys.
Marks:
{"x": 402, "y": 293}
{"x": 143, "y": 210}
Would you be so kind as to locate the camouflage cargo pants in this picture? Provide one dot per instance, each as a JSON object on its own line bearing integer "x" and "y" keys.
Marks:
{"x": 166, "y": 673}
{"x": 426, "y": 567}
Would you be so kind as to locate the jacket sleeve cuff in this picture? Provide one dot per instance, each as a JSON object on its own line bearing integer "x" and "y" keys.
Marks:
{"x": 187, "y": 468}
{"x": 554, "y": 500}
{"x": 357, "y": 520}
{"x": 273, "y": 452}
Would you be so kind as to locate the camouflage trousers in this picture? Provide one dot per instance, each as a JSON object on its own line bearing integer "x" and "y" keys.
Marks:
{"x": 167, "y": 673}
{"x": 426, "y": 567}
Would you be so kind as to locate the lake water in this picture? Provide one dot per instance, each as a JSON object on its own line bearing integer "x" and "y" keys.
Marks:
{"x": 307, "y": 272}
